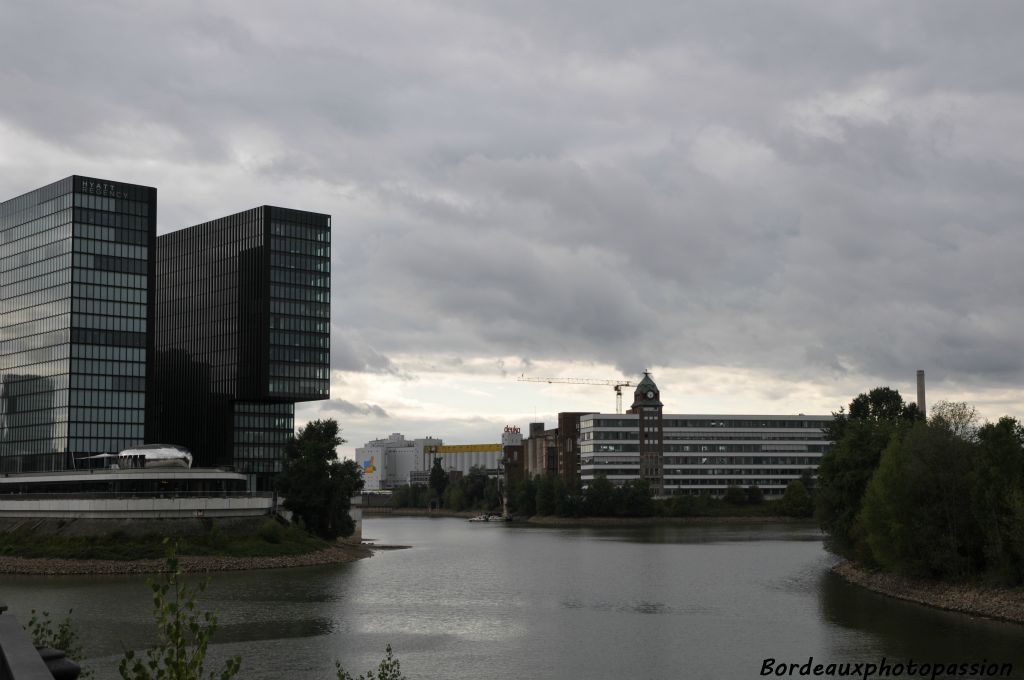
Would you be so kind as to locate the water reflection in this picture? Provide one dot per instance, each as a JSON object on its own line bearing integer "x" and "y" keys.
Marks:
{"x": 512, "y": 602}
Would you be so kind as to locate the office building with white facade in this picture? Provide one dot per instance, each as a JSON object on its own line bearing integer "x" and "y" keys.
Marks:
{"x": 387, "y": 463}
{"x": 699, "y": 453}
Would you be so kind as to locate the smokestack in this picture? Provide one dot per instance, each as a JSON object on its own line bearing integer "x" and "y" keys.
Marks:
{"x": 920, "y": 394}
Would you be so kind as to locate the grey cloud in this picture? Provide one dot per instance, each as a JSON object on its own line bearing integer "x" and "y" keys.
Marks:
{"x": 638, "y": 186}
{"x": 335, "y": 405}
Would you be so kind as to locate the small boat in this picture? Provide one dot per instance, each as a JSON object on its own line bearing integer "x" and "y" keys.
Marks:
{"x": 481, "y": 518}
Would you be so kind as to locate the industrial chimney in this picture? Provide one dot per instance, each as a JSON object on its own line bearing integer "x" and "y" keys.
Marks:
{"x": 920, "y": 394}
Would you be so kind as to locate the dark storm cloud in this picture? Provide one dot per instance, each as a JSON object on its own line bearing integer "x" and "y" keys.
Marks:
{"x": 797, "y": 187}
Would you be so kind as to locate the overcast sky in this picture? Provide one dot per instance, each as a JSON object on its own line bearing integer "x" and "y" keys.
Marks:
{"x": 771, "y": 205}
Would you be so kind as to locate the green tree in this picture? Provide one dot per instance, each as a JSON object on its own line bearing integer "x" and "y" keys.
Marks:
{"x": 183, "y": 634}
{"x": 796, "y": 501}
{"x": 916, "y": 511}
{"x": 316, "y": 486}
{"x": 599, "y": 498}
{"x": 438, "y": 478}
{"x": 734, "y": 496}
{"x": 998, "y": 498}
{"x": 633, "y": 499}
{"x": 858, "y": 441}
{"x": 545, "y": 495}
{"x": 754, "y": 495}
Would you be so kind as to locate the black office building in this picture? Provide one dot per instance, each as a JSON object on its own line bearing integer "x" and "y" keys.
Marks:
{"x": 76, "y": 310}
{"x": 242, "y": 333}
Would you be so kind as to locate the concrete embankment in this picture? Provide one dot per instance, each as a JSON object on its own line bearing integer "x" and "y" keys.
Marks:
{"x": 996, "y": 603}
{"x": 189, "y": 563}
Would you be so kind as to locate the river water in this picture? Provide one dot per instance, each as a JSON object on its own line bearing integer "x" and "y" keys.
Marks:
{"x": 490, "y": 601}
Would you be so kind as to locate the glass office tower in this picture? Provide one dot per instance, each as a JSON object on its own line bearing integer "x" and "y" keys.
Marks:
{"x": 242, "y": 333}
{"x": 76, "y": 305}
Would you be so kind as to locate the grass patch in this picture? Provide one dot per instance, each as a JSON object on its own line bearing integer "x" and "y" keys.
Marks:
{"x": 261, "y": 541}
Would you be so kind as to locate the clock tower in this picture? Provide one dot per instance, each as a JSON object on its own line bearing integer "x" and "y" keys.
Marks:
{"x": 648, "y": 407}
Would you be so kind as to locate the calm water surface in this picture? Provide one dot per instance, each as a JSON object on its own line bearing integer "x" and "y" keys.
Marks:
{"x": 483, "y": 601}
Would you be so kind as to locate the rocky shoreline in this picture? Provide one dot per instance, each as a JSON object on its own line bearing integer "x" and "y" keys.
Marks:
{"x": 651, "y": 521}
{"x": 338, "y": 554}
{"x": 1004, "y": 604}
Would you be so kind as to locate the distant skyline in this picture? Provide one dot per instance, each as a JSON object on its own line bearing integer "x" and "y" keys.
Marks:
{"x": 772, "y": 206}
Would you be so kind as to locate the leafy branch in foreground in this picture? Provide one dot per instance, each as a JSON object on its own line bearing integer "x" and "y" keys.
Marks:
{"x": 388, "y": 669}
{"x": 64, "y": 637}
{"x": 183, "y": 633}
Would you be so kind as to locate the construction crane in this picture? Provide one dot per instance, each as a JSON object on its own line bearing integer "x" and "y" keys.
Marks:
{"x": 616, "y": 384}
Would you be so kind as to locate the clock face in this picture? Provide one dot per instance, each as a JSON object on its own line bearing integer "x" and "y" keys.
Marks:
{"x": 650, "y": 394}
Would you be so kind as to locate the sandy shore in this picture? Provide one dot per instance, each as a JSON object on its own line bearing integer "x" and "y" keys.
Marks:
{"x": 995, "y": 603}
{"x": 189, "y": 563}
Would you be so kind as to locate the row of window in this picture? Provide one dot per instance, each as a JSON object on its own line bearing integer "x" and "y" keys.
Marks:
{"x": 290, "y": 323}
{"x": 264, "y": 408}
{"x": 306, "y": 356}
{"x": 19, "y": 406}
{"x": 300, "y": 247}
{"x": 316, "y": 309}
{"x": 92, "y": 247}
{"x": 108, "y": 382}
{"x": 127, "y": 368}
{"x": 55, "y": 221}
{"x": 50, "y": 323}
{"x": 28, "y": 433}
{"x": 302, "y": 278}
{"x": 320, "y": 388}
{"x": 120, "y": 437}
{"x": 109, "y": 263}
{"x": 300, "y": 293}
{"x": 108, "y": 352}
{"x": 11, "y": 320}
{"x": 278, "y": 437}
{"x": 30, "y": 342}
{"x": 104, "y": 398}
{"x": 114, "y": 234}
{"x": 287, "y": 370}
{"x": 110, "y": 278}
{"x": 81, "y": 290}
{"x": 257, "y": 452}
{"x": 81, "y": 414}
{"x": 299, "y": 340}
{"x": 52, "y": 280}
{"x": 111, "y": 219}
{"x": 16, "y": 385}
{"x": 89, "y": 336}
{"x": 303, "y": 262}
{"x": 109, "y": 323}
{"x": 670, "y": 423}
{"x": 28, "y": 274}
{"x": 35, "y": 356}
{"x": 119, "y": 205}
{"x": 310, "y": 233}
{"x": 44, "y": 369}
{"x": 38, "y": 253}
{"x": 39, "y": 297}
{"x": 264, "y": 422}
{"x": 125, "y": 309}
{"x": 30, "y": 206}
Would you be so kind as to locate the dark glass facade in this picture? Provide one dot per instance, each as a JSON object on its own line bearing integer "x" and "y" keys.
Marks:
{"x": 242, "y": 333}
{"x": 76, "y": 308}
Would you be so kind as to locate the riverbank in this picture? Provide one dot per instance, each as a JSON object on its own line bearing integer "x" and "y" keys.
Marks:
{"x": 553, "y": 520}
{"x": 1004, "y": 604}
{"x": 655, "y": 521}
{"x": 49, "y": 566}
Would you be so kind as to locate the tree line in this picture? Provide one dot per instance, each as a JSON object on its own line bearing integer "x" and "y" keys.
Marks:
{"x": 941, "y": 497}
{"x": 549, "y": 495}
